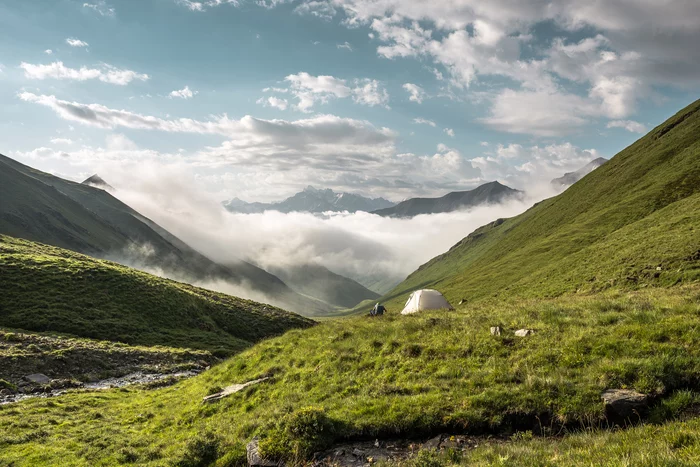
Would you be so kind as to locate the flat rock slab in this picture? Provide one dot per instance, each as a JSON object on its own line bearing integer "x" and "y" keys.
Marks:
{"x": 234, "y": 388}
{"x": 625, "y": 402}
{"x": 38, "y": 378}
{"x": 524, "y": 332}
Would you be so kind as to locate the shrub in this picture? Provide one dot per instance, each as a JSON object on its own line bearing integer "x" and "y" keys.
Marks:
{"x": 298, "y": 435}
{"x": 201, "y": 451}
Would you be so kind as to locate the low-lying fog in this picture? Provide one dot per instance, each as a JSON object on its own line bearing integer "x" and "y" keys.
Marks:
{"x": 354, "y": 245}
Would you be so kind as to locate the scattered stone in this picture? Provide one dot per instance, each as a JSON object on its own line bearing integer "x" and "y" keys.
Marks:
{"x": 433, "y": 443}
{"x": 524, "y": 332}
{"x": 462, "y": 301}
{"x": 234, "y": 388}
{"x": 358, "y": 453}
{"x": 624, "y": 402}
{"x": 495, "y": 330}
{"x": 38, "y": 378}
{"x": 658, "y": 268}
{"x": 254, "y": 457}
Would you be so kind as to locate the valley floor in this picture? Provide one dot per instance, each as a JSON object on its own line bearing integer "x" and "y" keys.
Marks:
{"x": 536, "y": 398}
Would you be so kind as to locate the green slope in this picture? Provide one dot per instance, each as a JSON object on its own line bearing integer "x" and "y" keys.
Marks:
{"x": 638, "y": 212}
{"x": 44, "y": 208}
{"x": 45, "y": 288}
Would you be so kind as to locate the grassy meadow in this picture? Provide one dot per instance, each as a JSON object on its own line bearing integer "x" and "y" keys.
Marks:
{"x": 406, "y": 376}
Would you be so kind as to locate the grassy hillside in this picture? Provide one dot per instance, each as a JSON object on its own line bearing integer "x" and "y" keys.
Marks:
{"x": 46, "y": 288}
{"x": 317, "y": 281}
{"x": 400, "y": 376}
{"x": 613, "y": 229}
{"x": 44, "y": 208}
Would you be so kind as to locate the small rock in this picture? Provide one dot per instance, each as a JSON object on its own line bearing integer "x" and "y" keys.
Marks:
{"x": 339, "y": 453}
{"x": 358, "y": 453}
{"x": 253, "y": 454}
{"x": 625, "y": 402}
{"x": 495, "y": 330}
{"x": 433, "y": 443}
{"x": 658, "y": 268}
{"x": 462, "y": 301}
{"x": 38, "y": 378}
{"x": 524, "y": 332}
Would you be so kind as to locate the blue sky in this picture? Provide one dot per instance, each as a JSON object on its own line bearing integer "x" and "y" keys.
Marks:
{"x": 380, "y": 97}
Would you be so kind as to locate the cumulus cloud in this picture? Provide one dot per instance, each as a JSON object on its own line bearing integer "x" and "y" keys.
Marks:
{"x": 273, "y": 101}
{"x": 57, "y": 70}
{"x": 449, "y": 132}
{"x": 628, "y": 48}
{"x": 76, "y": 43}
{"x": 424, "y": 121}
{"x": 184, "y": 93}
{"x": 417, "y": 94}
{"x": 532, "y": 167}
{"x": 48, "y": 51}
{"x": 629, "y": 125}
{"x": 310, "y": 90}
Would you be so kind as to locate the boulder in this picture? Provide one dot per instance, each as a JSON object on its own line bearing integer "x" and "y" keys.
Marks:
{"x": 524, "y": 332}
{"x": 495, "y": 330}
{"x": 433, "y": 443}
{"x": 38, "y": 378}
{"x": 624, "y": 403}
{"x": 254, "y": 457}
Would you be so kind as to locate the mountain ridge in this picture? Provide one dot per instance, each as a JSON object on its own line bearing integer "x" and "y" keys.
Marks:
{"x": 488, "y": 193}
{"x": 44, "y": 208}
{"x": 311, "y": 200}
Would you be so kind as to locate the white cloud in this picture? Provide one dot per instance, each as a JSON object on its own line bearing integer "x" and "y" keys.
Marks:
{"x": 539, "y": 113}
{"x": 344, "y": 45}
{"x": 76, "y": 42}
{"x": 370, "y": 92}
{"x": 101, "y": 8}
{"x": 57, "y": 70}
{"x": 417, "y": 94}
{"x": 48, "y": 51}
{"x": 320, "y": 9}
{"x": 184, "y": 93}
{"x": 629, "y": 125}
{"x": 449, "y": 132}
{"x": 423, "y": 121}
{"x": 61, "y": 141}
{"x": 309, "y": 90}
{"x": 631, "y": 47}
{"x": 273, "y": 101}
{"x": 532, "y": 167}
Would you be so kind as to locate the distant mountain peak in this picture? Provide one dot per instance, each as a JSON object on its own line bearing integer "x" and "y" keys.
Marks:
{"x": 314, "y": 200}
{"x": 570, "y": 178}
{"x": 97, "y": 181}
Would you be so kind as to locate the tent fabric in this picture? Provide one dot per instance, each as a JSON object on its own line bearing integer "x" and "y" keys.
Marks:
{"x": 426, "y": 299}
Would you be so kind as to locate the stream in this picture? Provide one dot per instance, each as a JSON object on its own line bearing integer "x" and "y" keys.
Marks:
{"x": 109, "y": 383}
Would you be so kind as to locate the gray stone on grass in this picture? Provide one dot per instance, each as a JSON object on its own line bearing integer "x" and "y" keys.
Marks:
{"x": 625, "y": 402}
{"x": 254, "y": 457}
{"x": 38, "y": 378}
{"x": 495, "y": 330}
{"x": 524, "y": 332}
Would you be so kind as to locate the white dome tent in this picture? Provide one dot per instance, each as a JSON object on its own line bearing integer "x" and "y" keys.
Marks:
{"x": 426, "y": 299}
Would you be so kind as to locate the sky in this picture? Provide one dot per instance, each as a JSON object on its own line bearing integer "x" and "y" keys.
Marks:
{"x": 392, "y": 98}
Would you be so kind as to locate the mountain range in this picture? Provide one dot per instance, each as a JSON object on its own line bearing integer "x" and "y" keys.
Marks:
{"x": 570, "y": 178}
{"x": 312, "y": 200}
{"x": 488, "y": 193}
